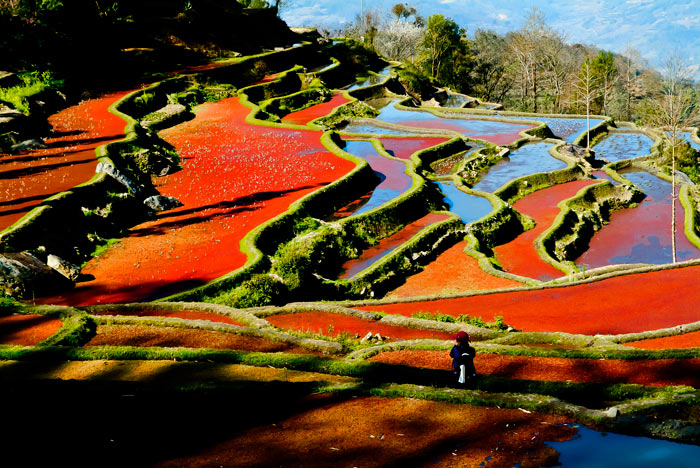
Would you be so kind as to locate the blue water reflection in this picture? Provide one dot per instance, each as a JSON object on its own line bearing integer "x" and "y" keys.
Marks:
{"x": 591, "y": 448}
{"x": 468, "y": 207}
{"x": 528, "y": 159}
{"x": 568, "y": 129}
{"x": 619, "y": 146}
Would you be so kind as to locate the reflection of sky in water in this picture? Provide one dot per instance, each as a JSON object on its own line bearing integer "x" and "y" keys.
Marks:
{"x": 526, "y": 160}
{"x": 467, "y": 206}
{"x": 455, "y": 100}
{"x": 380, "y": 77}
{"x": 470, "y": 127}
{"x": 619, "y": 146}
{"x": 394, "y": 181}
{"x": 591, "y": 448}
{"x": 686, "y": 136}
{"x": 641, "y": 234}
{"x": 322, "y": 68}
{"x": 370, "y": 129}
{"x": 567, "y": 129}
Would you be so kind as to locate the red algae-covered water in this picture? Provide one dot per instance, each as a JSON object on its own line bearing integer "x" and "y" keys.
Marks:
{"x": 641, "y": 234}
{"x": 305, "y": 116}
{"x": 29, "y": 177}
{"x": 520, "y": 256}
{"x": 623, "y": 304}
{"x": 388, "y": 245}
{"x": 452, "y": 272}
{"x": 236, "y": 176}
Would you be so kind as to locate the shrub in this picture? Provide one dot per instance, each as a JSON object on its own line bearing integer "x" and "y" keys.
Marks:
{"x": 260, "y": 290}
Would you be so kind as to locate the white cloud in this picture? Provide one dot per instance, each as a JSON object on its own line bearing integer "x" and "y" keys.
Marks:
{"x": 688, "y": 22}
{"x": 502, "y": 16}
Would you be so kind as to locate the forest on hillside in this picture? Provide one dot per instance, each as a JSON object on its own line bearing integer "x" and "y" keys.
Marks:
{"x": 532, "y": 69}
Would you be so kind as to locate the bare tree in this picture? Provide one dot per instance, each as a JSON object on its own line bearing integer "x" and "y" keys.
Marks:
{"x": 529, "y": 46}
{"x": 587, "y": 86}
{"x": 630, "y": 67}
{"x": 673, "y": 110}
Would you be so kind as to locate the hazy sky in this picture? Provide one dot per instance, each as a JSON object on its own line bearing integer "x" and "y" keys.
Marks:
{"x": 654, "y": 27}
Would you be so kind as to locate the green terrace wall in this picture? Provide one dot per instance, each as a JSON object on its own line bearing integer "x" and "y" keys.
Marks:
{"x": 580, "y": 217}
{"x": 424, "y": 158}
{"x": 283, "y": 105}
{"x": 71, "y": 223}
{"x": 286, "y": 83}
{"x": 254, "y": 67}
{"x": 406, "y": 260}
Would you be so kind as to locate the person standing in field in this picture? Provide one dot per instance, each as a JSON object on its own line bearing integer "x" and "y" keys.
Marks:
{"x": 462, "y": 355}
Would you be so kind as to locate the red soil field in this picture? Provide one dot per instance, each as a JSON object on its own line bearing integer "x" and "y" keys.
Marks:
{"x": 623, "y": 304}
{"x": 403, "y": 148}
{"x": 182, "y": 314}
{"x": 387, "y": 245}
{"x": 686, "y": 340}
{"x": 305, "y": 116}
{"x": 27, "y": 330}
{"x": 129, "y": 335}
{"x": 334, "y": 324}
{"x": 28, "y": 178}
{"x": 380, "y": 432}
{"x": 236, "y": 176}
{"x": 520, "y": 256}
{"x": 655, "y": 373}
{"x": 452, "y": 272}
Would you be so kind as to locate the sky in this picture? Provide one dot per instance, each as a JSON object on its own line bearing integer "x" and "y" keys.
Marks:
{"x": 654, "y": 27}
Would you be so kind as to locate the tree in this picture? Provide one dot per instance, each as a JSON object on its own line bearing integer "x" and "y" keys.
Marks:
{"x": 492, "y": 73}
{"x": 673, "y": 109}
{"x": 442, "y": 36}
{"x": 630, "y": 71}
{"x": 399, "y": 40}
{"x": 604, "y": 69}
{"x": 527, "y": 46}
{"x": 587, "y": 86}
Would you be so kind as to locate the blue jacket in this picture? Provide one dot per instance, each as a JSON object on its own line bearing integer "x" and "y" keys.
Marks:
{"x": 463, "y": 354}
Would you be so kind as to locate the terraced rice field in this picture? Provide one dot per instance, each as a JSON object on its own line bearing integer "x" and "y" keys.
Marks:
{"x": 239, "y": 175}
{"x": 29, "y": 177}
{"x": 199, "y": 242}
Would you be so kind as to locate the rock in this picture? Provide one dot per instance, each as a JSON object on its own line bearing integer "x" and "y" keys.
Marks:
{"x": 503, "y": 152}
{"x": 28, "y": 145}
{"x": 378, "y": 337}
{"x": 13, "y": 121}
{"x": 9, "y": 79}
{"x": 107, "y": 168}
{"x": 577, "y": 152}
{"x": 24, "y": 276}
{"x": 367, "y": 338}
{"x": 64, "y": 267}
{"x": 155, "y": 163}
{"x": 160, "y": 203}
{"x": 612, "y": 412}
